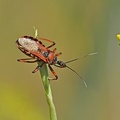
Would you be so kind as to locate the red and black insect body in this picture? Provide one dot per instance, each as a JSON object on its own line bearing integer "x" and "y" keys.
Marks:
{"x": 37, "y": 52}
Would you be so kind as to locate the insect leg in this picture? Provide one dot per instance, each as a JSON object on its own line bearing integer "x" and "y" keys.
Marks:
{"x": 54, "y": 50}
{"x": 38, "y": 67}
{"x": 27, "y": 60}
{"x": 58, "y": 54}
{"x": 54, "y": 73}
{"x": 53, "y": 43}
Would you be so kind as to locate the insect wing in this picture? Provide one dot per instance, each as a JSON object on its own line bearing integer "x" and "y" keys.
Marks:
{"x": 30, "y": 47}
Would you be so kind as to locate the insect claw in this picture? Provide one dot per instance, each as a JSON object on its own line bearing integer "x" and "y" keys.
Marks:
{"x": 58, "y": 54}
{"x": 56, "y": 77}
{"x": 36, "y": 69}
{"x": 18, "y": 60}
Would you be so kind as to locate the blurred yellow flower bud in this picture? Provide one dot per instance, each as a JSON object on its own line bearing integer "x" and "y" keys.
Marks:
{"x": 118, "y": 37}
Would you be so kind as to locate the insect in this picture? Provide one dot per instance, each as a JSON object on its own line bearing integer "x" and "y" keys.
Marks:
{"x": 38, "y": 52}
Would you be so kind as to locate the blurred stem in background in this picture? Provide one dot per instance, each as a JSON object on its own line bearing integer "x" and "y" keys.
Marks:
{"x": 46, "y": 83}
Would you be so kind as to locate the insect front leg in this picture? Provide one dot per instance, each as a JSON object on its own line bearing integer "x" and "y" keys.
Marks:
{"x": 27, "y": 60}
{"x": 54, "y": 73}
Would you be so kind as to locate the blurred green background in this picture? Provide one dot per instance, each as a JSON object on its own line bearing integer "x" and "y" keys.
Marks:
{"x": 78, "y": 27}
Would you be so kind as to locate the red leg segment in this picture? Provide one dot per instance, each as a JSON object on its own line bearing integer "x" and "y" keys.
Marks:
{"x": 58, "y": 54}
{"x": 54, "y": 73}
{"x": 37, "y": 68}
{"x": 53, "y": 43}
{"x": 27, "y": 60}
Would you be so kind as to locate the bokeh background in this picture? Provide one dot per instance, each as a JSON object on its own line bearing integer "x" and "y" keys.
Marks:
{"x": 78, "y": 27}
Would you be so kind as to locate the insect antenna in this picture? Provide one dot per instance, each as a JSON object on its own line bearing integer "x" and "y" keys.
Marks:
{"x": 81, "y": 57}
{"x": 77, "y": 75}
{"x": 74, "y": 70}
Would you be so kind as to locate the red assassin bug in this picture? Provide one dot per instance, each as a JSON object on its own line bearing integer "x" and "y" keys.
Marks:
{"x": 35, "y": 49}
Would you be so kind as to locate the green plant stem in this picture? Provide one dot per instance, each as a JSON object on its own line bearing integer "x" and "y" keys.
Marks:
{"x": 48, "y": 91}
{"x": 46, "y": 83}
